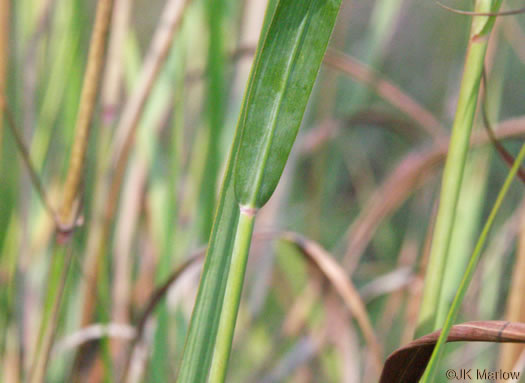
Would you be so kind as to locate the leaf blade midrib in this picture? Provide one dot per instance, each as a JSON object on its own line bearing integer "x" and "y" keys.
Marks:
{"x": 263, "y": 157}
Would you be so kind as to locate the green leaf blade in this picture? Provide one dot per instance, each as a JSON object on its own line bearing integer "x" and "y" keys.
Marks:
{"x": 285, "y": 72}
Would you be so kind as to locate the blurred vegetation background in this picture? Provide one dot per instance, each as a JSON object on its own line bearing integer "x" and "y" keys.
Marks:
{"x": 362, "y": 181}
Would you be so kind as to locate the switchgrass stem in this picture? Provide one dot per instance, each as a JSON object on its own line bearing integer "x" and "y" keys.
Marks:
{"x": 230, "y": 308}
{"x": 431, "y": 315}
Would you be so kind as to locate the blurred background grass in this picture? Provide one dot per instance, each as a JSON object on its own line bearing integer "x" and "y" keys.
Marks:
{"x": 337, "y": 189}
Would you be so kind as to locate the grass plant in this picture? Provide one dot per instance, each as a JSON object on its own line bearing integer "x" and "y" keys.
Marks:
{"x": 166, "y": 214}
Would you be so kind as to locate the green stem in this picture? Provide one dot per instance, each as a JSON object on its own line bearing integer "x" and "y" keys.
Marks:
{"x": 455, "y": 165}
{"x": 473, "y": 193}
{"x": 469, "y": 273}
{"x": 232, "y": 297}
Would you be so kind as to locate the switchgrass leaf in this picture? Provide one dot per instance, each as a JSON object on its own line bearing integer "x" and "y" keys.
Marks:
{"x": 285, "y": 70}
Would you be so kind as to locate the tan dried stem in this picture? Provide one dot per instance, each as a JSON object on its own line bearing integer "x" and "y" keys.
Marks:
{"x": 113, "y": 75}
{"x": 155, "y": 59}
{"x": 86, "y": 108}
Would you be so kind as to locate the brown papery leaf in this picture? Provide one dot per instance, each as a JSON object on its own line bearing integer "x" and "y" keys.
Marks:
{"x": 407, "y": 364}
{"x": 335, "y": 274}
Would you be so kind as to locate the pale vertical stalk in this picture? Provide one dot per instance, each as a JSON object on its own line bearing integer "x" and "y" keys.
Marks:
{"x": 230, "y": 308}
{"x": 140, "y": 168}
{"x": 155, "y": 59}
{"x": 112, "y": 84}
{"x": 253, "y": 18}
{"x": 163, "y": 204}
{"x": 122, "y": 246}
{"x": 455, "y": 164}
{"x": 111, "y": 96}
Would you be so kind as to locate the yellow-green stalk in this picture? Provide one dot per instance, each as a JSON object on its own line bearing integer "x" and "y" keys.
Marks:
{"x": 455, "y": 164}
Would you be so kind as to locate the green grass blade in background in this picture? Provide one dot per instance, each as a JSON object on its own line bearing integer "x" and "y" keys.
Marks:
{"x": 381, "y": 28}
{"x": 215, "y": 108}
{"x": 286, "y": 66}
{"x": 455, "y": 165}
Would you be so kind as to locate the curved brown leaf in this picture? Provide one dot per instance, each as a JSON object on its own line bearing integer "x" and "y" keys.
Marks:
{"x": 335, "y": 274}
{"x": 407, "y": 364}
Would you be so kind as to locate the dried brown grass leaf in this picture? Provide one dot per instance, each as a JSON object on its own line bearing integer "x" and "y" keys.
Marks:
{"x": 342, "y": 285}
{"x": 407, "y": 364}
